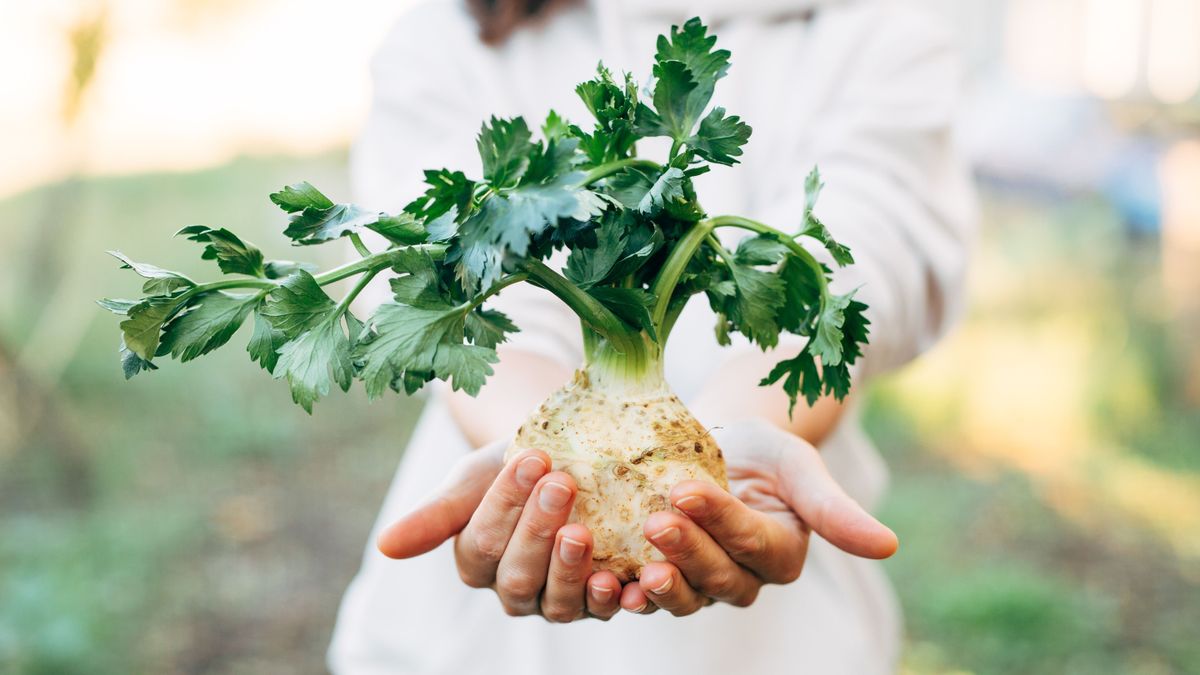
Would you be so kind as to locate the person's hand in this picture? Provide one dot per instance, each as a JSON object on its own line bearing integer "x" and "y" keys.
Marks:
{"x": 513, "y": 536}
{"x": 727, "y": 546}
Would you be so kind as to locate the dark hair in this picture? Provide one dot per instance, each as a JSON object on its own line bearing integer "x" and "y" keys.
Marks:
{"x": 499, "y": 18}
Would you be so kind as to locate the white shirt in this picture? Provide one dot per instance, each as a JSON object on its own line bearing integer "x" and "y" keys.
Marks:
{"x": 864, "y": 89}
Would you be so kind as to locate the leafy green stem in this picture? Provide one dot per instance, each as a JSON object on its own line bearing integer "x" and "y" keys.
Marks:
{"x": 377, "y": 261}
{"x": 230, "y": 283}
{"x": 359, "y": 245}
{"x": 722, "y": 252}
{"x": 672, "y": 269}
{"x": 590, "y": 310}
{"x": 782, "y": 237}
{"x": 605, "y": 170}
{"x": 500, "y": 285}
{"x": 358, "y": 288}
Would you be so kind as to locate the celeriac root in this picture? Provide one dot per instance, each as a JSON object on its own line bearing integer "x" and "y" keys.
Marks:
{"x": 626, "y": 450}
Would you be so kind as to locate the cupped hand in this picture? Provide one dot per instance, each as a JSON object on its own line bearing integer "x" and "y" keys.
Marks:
{"x": 512, "y": 536}
{"x": 727, "y": 545}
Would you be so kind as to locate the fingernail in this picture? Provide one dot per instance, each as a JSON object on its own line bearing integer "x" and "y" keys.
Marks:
{"x": 667, "y": 537}
{"x": 601, "y": 594}
{"x": 641, "y": 608}
{"x": 553, "y": 496}
{"x": 529, "y": 470}
{"x": 691, "y": 504}
{"x": 664, "y": 587}
{"x": 571, "y": 551}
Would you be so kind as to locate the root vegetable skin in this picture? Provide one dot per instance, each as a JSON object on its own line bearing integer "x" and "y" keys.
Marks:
{"x": 626, "y": 451}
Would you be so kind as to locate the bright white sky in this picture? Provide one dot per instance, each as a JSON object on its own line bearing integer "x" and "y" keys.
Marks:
{"x": 184, "y": 83}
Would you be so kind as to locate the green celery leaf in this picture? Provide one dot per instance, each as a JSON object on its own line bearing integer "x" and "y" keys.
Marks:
{"x": 233, "y": 255}
{"x": 587, "y": 267}
{"x": 265, "y": 343}
{"x": 802, "y": 295}
{"x": 131, "y": 363}
{"x": 667, "y": 188}
{"x": 558, "y": 158}
{"x": 800, "y": 378}
{"x": 720, "y": 138}
{"x": 208, "y": 322}
{"x": 687, "y": 69}
{"x": 505, "y": 147}
{"x": 448, "y": 191}
{"x": 403, "y": 229}
{"x": 465, "y": 367}
{"x": 301, "y": 196}
{"x": 854, "y": 336}
{"x": 673, "y": 101}
{"x": 828, "y": 336}
{"x": 555, "y": 127}
{"x": 760, "y": 250}
{"x": 693, "y": 46}
{"x": 507, "y": 223}
{"x": 313, "y": 361}
{"x": 297, "y": 305}
{"x": 642, "y": 191}
{"x": 142, "y": 329}
{"x": 158, "y": 280}
{"x": 813, "y": 227}
{"x": 316, "y": 219}
{"x": 488, "y": 327}
{"x": 855, "y": 331}
{"x": 722, "y": 329}
{"x": 315, "y": 226}
{"x": 419, "y": 284}
{"x": 117, "y": 306}
{"x": 641, "y": 243}
{"x": 754, "y": 308}
{"x": 615, "y": 109}
{"x": 279, "y": 269}
{"x": 405, "y": 348}
{"x": 444, "y": 227}
{"x": 632, "y": 305}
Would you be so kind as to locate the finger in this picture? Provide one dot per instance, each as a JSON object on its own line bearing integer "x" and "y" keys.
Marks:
{"x": 564, "y": 599}
{"x": 634, "y": 599}
{"x": 448, "y": 511}
{"x": 763, "y": 544}
{"x": 603, "y": 595}
{"x": 705, "y": 566}
{"x": 523, "y": 567}
{"x": 482, "y": 543}
{"x": 665, "y": 586}
{"x": 822, "y": 504}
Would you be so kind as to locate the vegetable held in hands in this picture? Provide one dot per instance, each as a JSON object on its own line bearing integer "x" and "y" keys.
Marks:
{"x": 640, "y": 246}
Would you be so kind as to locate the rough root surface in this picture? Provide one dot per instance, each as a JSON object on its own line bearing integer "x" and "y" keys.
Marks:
{"x": 626, "y": 453}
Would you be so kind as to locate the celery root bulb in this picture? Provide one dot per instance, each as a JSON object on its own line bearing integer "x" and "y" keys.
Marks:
{"x": 626, "y": 448}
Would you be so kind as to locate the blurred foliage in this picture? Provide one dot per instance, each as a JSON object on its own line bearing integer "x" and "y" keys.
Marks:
{"x": 87, "y": 38}
{"x": 194, "y": 520}
{"x": 1045, "y": 461}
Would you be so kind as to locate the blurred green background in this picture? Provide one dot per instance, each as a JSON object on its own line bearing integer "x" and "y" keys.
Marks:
{"x": 1046, "y": 474}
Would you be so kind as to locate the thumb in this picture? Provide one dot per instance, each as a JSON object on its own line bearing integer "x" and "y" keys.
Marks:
{"x": 825, "y": 507}
{"x": 449, "y": 509}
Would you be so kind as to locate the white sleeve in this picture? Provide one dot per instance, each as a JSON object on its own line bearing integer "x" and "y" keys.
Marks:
{"x": 896, "y": 191}
{"x": 428, "y": 104}
{"x": 422, "y": 113}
